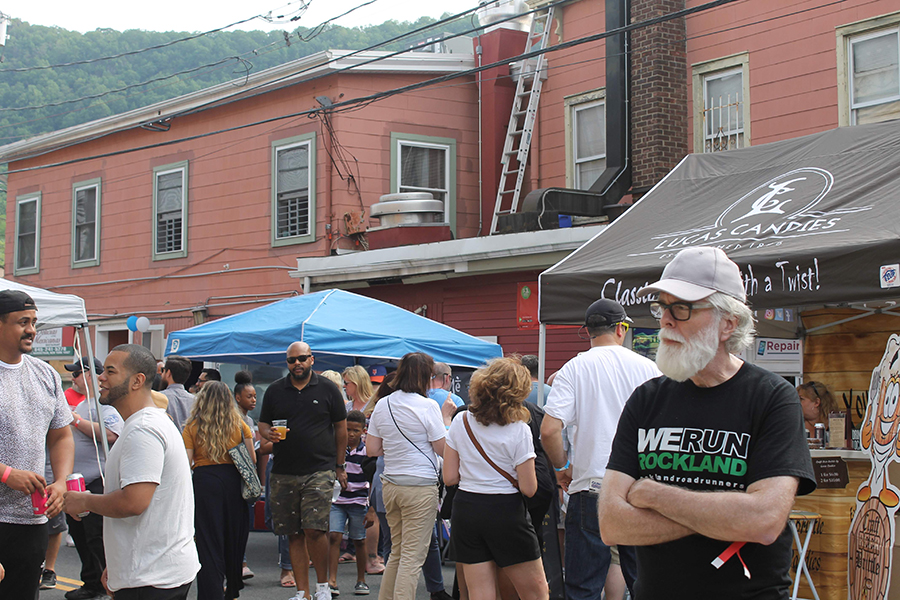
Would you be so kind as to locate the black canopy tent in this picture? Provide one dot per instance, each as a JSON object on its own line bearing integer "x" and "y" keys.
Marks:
{"x": 810, "y": 221}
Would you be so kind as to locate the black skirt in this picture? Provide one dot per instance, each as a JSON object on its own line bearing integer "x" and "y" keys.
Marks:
{"x": 491, "y": 527}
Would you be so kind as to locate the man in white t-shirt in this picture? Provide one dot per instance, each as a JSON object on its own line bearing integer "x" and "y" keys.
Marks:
{"x": 587, "y": 398}
{"x": 148, "y": 504}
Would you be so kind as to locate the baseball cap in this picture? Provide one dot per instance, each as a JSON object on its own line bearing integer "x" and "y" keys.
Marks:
{"x": 610, "y": 311}
{"x": 377, "y": 373}
{"x": 83, "y": 365}
{"x": 696, "y": 273}
{"x": 14, "y": 301}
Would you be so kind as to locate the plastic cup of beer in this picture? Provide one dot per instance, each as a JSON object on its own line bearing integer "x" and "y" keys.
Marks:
{"x": 280, "y": 425}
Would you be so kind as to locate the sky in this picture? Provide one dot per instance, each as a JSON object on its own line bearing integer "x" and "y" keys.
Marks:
{"x": 193, "y": 15}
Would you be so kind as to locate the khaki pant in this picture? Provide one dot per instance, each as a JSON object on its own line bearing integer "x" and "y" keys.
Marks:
{"x": 411, "y": 512}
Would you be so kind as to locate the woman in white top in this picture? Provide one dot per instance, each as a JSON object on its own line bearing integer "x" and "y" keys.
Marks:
{"x": 407, "y": 428}
{"x": 490, "y": 528}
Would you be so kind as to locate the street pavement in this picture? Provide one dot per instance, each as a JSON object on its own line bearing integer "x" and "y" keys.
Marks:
{"x": 262, "y": 556}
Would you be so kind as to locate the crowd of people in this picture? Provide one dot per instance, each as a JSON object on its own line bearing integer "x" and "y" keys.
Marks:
{"x": 675, "y": 477}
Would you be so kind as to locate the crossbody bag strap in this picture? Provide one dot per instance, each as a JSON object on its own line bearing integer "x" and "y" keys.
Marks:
{"x": 481, "y": 451}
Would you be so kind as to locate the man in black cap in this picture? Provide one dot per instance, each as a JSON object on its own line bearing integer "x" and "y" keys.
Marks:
{"x": 33, "y": 413}
{"x": 587, "y": 398}
{"x": 78, "y": 392}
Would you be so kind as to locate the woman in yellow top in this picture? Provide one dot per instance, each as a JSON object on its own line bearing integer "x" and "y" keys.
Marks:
{"x": 220, "y": 513}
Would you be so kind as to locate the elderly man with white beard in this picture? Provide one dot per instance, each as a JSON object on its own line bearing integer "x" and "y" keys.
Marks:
{"x": 707, "y": 459}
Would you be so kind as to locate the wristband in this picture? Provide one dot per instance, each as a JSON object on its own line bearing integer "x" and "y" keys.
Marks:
{"x": 560, "y": 470}
{"x": 6, "y": 474}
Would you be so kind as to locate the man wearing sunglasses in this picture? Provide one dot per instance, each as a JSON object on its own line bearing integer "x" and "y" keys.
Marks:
{"x": 706, "y": 460}
{"x": 587, "y": 398}
{"x": 306, "y": 463}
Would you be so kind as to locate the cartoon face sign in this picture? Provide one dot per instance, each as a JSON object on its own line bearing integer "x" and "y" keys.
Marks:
{"x": 886, "y": 418}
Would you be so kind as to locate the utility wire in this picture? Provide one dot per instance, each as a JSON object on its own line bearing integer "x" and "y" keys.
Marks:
{"x": 365, "y": 100}
{"x": 318, "y": 30}
{"x": 129, "y": 53}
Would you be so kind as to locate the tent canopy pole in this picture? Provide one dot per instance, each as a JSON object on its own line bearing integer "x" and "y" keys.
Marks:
{"x": 94, "y": 399}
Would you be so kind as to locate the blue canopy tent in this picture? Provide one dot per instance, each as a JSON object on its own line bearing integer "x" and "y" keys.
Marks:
{"x": 342, "y": 329}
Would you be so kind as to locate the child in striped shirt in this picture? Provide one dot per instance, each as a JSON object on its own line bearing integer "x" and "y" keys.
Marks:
{"x": 351, "y": 506}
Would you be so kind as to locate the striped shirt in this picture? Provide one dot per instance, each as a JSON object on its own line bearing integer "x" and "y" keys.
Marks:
{"x": 357, "y": 491}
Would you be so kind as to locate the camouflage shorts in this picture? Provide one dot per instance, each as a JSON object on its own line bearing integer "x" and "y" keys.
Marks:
{"x": 301, "y": 502}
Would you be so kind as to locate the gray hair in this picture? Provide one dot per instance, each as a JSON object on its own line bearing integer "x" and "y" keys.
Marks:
{"x": 744, "y": 331}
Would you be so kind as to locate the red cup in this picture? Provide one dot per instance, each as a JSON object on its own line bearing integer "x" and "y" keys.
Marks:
{"x": 39, "y": 501}
{"x": 75, "y": 483}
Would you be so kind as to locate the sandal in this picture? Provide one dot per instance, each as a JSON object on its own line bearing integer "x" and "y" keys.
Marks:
{"x": 346, "y": 557}
{"x": 287, "y": 580}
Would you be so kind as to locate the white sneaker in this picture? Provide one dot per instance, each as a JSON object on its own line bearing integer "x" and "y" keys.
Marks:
{"x": 300, "y": 595}
{"x": 324, "y": 594}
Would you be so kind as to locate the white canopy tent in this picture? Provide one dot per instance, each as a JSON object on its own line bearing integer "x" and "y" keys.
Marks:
{"x": 62, "y": 310}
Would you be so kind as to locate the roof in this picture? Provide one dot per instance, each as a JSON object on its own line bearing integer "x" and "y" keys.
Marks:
{"x": 288, "y": 74}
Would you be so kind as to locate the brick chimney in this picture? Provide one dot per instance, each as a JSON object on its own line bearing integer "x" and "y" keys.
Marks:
{"x": 659, "y": 133}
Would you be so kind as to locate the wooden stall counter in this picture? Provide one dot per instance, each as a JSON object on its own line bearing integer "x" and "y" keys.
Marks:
{"x": 839, "y": 473}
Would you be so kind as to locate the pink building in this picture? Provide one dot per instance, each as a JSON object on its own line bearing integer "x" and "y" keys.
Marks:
{"x": 210, "y": 203}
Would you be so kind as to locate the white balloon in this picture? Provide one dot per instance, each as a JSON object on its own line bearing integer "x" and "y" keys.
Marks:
{"x": 143, "y": 324}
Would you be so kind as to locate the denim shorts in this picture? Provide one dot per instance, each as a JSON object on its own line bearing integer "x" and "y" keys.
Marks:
{"x": 354, "y": 514}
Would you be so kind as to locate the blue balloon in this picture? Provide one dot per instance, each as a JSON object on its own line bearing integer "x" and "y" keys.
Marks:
{"x": 132, "y": 323}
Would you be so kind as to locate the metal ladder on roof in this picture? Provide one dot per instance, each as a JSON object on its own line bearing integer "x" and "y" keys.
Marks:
{"x": 514, "y": 159}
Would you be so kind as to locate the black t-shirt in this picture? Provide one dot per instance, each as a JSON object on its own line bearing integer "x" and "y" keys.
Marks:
{"x": 722, "y": 438}
{"x": 311, "y": 414}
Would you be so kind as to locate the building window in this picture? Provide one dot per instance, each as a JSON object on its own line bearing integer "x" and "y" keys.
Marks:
{"x": 585, "y": 123}
{"x": 425, "y": 164}
{"x": 170, "y": 211}
{"x": 293, "y": 190}
{"x": 28, "y": 234}
{"x": 721, "y": 104}
{"x": 86, "y": 223}
{"x": 868, "y": 70}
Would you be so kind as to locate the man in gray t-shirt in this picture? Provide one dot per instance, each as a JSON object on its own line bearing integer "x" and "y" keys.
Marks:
{"x": 174, "y": 374}
{"x": 33, "y": 412}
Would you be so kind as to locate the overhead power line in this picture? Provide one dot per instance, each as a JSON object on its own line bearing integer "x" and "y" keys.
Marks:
{"x": 316, "y": 30}
{"x": 365, "y": 100}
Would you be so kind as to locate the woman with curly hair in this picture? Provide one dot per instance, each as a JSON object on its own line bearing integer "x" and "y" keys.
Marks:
{"x": 490, "y": 525}
{"x": 220, "y": 513}
{"x": 359, "y": 390}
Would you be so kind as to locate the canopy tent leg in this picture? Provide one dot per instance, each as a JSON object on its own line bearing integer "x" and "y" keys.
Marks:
{"x": 542, "y": 356}
{"x": 869, "y": 312}
{"x": 95, "y": 397}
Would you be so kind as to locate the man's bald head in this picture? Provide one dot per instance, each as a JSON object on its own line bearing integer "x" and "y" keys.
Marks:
{"x": 298, "y": 348}
{"x": 300, "y": 361}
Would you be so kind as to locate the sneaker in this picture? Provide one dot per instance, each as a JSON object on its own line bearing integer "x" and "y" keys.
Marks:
{"x": 48, "y": 579}
{"x": 69, "y": 541}
{"x": 335, "y": 592}
{"x": 300, "y": 595}
{"x": 83, "y": 593}
{"x": 323, "y": 594}
{"x": 246, "y": 573}
{"x": 361, "y": 588}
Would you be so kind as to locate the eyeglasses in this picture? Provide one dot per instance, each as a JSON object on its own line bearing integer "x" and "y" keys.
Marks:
{"x": 302, "y": 358}
{"x": 625, "y": 325}
{"x": 680, "y": 311}
{"x": 77, "y": 375}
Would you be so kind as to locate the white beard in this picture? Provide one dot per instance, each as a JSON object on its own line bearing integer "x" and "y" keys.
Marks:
{"x": 682, "y": 361}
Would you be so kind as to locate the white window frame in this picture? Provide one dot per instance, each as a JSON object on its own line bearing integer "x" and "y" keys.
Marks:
{"x": 95, "y": 260}
{"x": 157, "y": 173}
{"x": 718, "y": 68}
{"x": 20, "y": 201}
{"x": 572, "y": 105}
{"x": 399, "y": 140}
{"x": 309, "y": 140}
{"x": 845, "y": 36}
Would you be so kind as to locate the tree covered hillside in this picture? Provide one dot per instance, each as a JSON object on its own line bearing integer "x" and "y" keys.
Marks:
{"x": 35, "y": 99}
